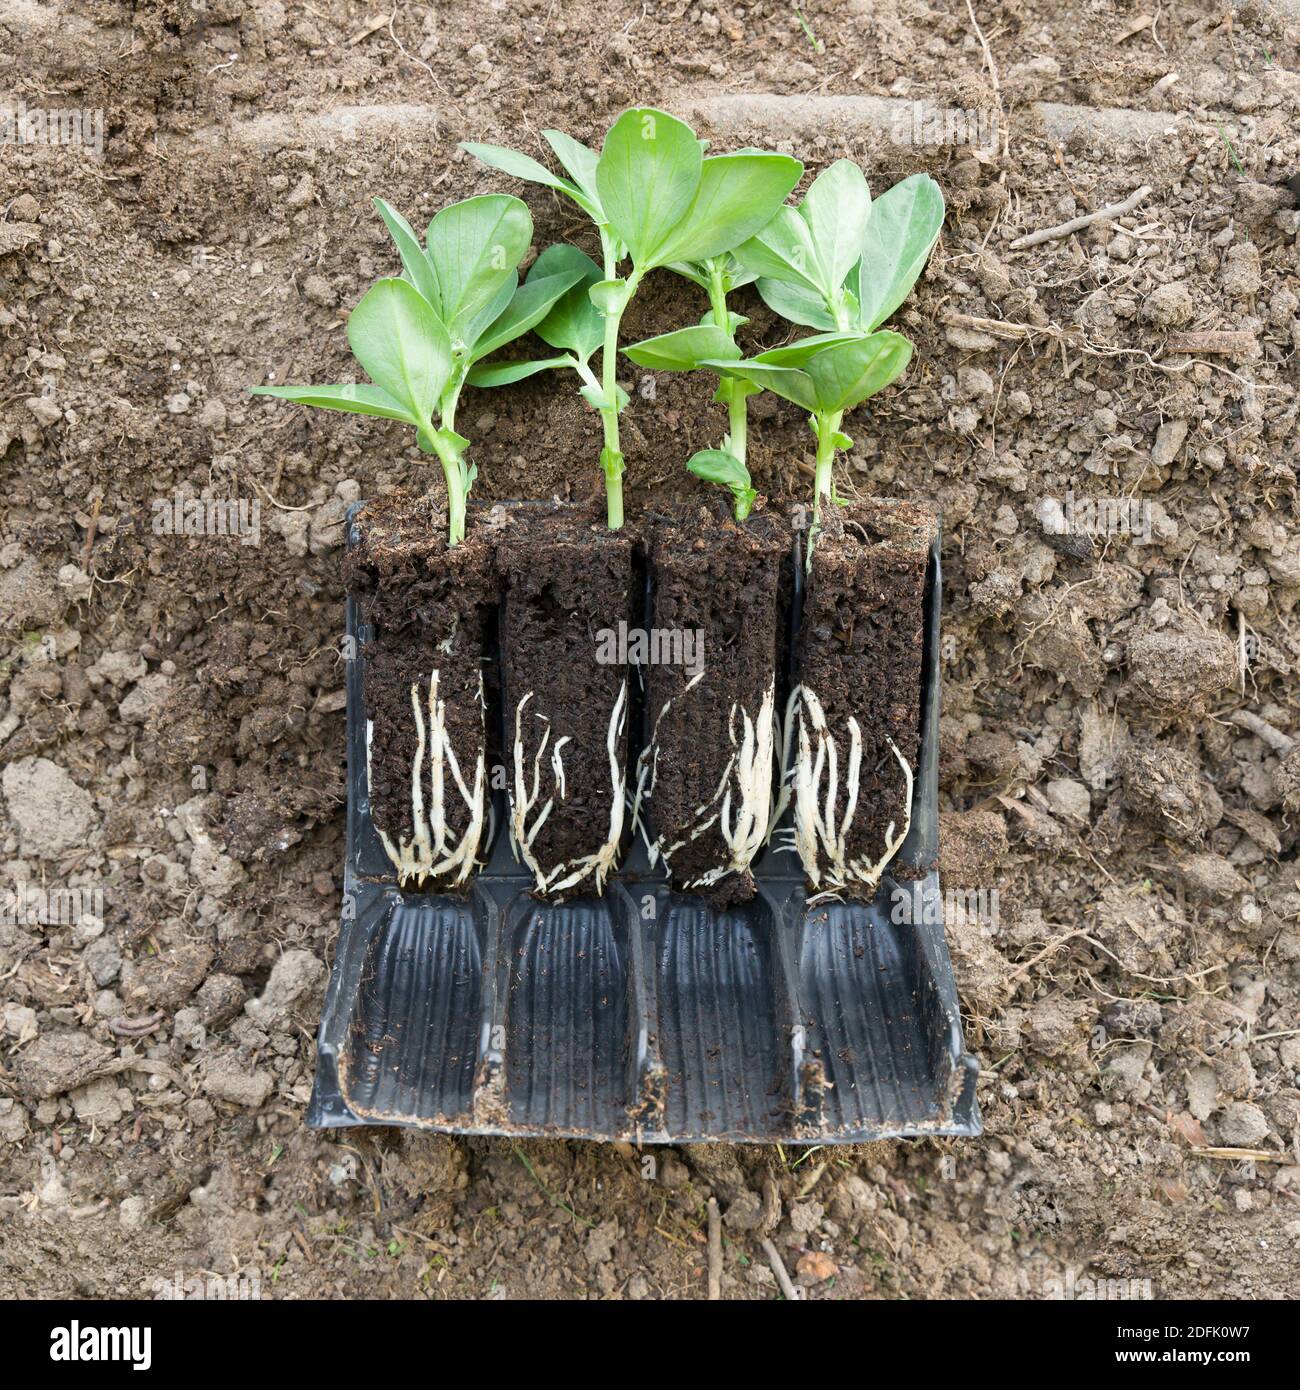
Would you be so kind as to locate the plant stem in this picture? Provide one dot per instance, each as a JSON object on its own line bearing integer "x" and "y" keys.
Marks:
{"x": 737, "y": 410}
{"x": 738, "y": 423}
{"x": 736, "y": 393}
{"x": 453, "y": 470}
{"x": 611, "y": 456}
{"x": 453, "y": 461}
{"x": 718, "y": 298}
{"x": 827, "y": 427}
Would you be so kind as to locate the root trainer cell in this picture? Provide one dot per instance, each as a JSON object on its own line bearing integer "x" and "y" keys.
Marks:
{"x": 705, "y": 781}
{"x": 853, "y": 724}
{"x": 567, "y": 582}
{"x": 431, "y": 606}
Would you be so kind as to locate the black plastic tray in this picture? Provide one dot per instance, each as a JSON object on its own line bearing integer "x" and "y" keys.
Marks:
{"x": 643, "y": 1014}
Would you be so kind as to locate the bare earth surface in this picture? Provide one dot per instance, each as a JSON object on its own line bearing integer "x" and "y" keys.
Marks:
{"x": 171, "y": 725}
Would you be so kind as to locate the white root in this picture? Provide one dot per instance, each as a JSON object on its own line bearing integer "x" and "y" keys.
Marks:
{"x": 746, "y": 784}
{"x": 812, "y": 778}
{"x": 432, "y": 853}
{"x": 526, "y": 793}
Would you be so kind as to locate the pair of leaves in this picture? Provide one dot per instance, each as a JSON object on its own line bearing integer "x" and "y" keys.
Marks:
{"x": 670, "y": 204}
{"x": 578, "y": 161}
{"x": 406, "y": 351}
{"x": 572, "y": 324}
{"x": 734, "y": 275}
{"x": 829, "y": 374}
{"x": 815, "y": 245}
{"x": 706, "y": 346}
{"x": 653, "y": 191}
{"x": 840, "y": 258}
{"x": 459, "y": 300}
{"x": 465, "y": 269}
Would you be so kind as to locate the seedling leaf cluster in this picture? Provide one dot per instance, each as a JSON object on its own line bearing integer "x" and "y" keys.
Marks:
{"x": 839, "y": 262}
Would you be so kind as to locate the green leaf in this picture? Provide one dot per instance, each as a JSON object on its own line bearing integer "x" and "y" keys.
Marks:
{"x": 579, "y": 161}
{"x": 412, "y": 253}
{"x": 403, "y": 346}
{"x": 683, "y": 350}
{"x": 574, "y": 322}
{"x": 735, "y": 322}
{"x": 515, "y": 163}
{"x": 354, "y": 399}
{"x": 472, "y": 330}
{"x": 694, "y": 273}
{"x": 457, "y": 442}
{"x": 790, "y": 382}
{"x": 524, "y": 166}
{"x": 738, "y": 194}
{"x": 595, "y": 398}
{"x": 836, "y": 210}
{"x": 793, "y": 302}
{"x": 529, "y": 305}
{"x": 904, "y": 225}
{"x": 609, "y": 296}
{"x": 735, "y": 275}
{"x": 850, "y": 373}
{"x": 474, "y": 247}
{"x": 783, "y": 251}
{"x": 648, "y": 173}
{"x": 718, "y": 466}
{"x": 504, "y": 373}
{"x": 797, "y": 354}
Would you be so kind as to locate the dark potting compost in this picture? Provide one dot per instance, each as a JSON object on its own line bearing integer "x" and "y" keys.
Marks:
{"x": 707, "y": 774}
{"x": 567, "y": 584}
{"x": 853, "y": 729}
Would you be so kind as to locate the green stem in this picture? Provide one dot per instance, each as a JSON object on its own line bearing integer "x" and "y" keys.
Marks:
{"x": 827, "y": 427}
{"x": 718, "y": 298}
{"x": 453, "y": 470}
{"x": 737, "y": 408}
{"x": 735, "y": 393}
{"x": 738, "y": 423}
{"x": 452, "y": 459}
{"x": 611, "y": 456}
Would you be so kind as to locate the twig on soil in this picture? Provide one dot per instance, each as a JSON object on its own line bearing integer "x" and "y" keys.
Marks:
{"x": 1275, "y": 738}
{"x": 778, "y": 1268}
{"x": 1135, "y": 26}
{"x": 988, "y": 55}
{"x": 1009, "y": 329}
{"x": 134, "y": 1027}
{"x": 715, "y": 1251}
{"x": 1077, "y": 224}
{"x": 811, "y": 1180}
{"x": 1225, "y": 342}
{"x": 282, "y": 506}
{"x": 371, "y": 26}
{"x": 392, "y": 34}
{"x": 1241, "y": 1155}
{"x": 90, "y": 534}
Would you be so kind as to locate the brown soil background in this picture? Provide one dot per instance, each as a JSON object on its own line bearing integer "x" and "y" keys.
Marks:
{"x": 1135, "y": 1004}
